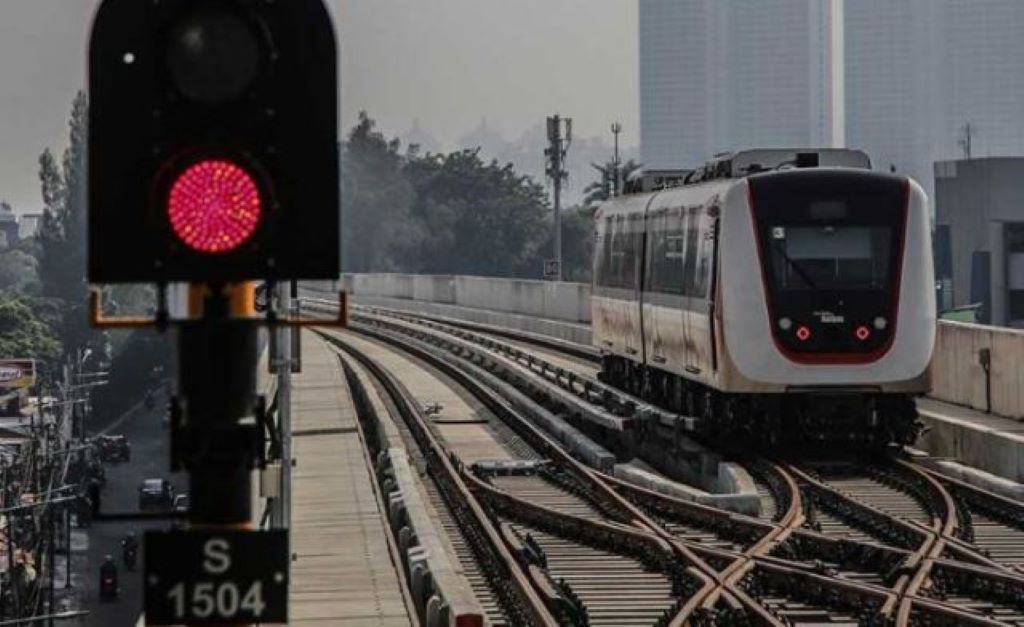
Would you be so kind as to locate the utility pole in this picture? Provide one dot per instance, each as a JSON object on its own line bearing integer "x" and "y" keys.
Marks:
{"x": 281, "y": 511}
{"x": 617, "y": 182}
{"x": 558, "y": 147}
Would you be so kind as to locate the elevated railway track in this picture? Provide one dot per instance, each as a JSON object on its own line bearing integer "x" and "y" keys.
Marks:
{"x": 860, "y": 541}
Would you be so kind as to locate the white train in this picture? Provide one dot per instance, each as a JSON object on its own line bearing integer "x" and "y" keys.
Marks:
{"x": 777, "y": 293}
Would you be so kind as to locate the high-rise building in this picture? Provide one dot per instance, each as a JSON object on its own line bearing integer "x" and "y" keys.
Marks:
{"x": 725, "y": 75}
{"x": 925, "y": 80}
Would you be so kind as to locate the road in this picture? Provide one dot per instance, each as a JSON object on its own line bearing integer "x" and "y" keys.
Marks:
{"x": 150, "y": 442}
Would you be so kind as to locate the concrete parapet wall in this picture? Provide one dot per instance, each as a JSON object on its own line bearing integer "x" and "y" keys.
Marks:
{"x": 563, "y": 301}
{"x": 959, "y": 377}
{"x": 568, "y": 331}
{"x": 545, "y": 299}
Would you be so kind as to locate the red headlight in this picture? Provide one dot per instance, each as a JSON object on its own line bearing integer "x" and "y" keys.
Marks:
{"x": 803, "y": 333}
{"x": 862, "y": 333}
{"x": 214, "y": 206}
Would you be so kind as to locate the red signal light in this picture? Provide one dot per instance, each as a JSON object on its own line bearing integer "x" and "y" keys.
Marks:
{"x": 803, "y": 333}
{"x": 214, "y": 206}
{"x": 862, "y": 333}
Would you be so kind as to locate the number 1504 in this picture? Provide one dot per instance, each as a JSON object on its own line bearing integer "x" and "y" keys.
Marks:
{"x": 224, "y": 599}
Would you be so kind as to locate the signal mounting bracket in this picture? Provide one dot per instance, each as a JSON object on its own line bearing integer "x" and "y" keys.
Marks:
{"x": 162, "y": 319}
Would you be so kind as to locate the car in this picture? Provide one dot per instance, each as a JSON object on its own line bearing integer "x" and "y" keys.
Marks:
{"x": 180, "y": 504}
{"x": 114, "y": 448}
{"x": 156, "y": 494}
{"x": 180, "y": 508}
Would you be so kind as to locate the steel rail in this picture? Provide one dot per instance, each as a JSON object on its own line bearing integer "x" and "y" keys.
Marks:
{"x": 533, "y": 610}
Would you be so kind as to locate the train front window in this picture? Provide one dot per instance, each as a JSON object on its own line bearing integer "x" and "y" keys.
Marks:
{"x": 830, "y": 256}
{"x": 830, "y": 247}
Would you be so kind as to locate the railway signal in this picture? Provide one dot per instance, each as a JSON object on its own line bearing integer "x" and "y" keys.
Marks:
{"x": 213, "y": 159}
{"x": 213, "y": 141}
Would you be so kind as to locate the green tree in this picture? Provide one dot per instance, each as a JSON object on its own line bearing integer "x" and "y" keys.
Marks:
{"x": 375, "y": 200}
{"x": 62, "y": 233}
{"x": 24, "y": 334}
{"x": 481, "y": 218}
{"x": 18, "y": 271}
{"x": 600, "y": 190}
{"x": 143, "y": 360}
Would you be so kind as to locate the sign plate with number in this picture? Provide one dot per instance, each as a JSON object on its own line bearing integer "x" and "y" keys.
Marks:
{"x": 216, "y": 577}
{"x": 551, "y": 268}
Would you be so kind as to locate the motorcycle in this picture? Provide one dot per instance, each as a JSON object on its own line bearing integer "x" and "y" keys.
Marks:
{"x": 108, "y": 583}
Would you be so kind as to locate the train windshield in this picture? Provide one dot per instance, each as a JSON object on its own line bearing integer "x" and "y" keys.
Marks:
{"x": 830, "y": 243}
{"x": 830, "y": 256}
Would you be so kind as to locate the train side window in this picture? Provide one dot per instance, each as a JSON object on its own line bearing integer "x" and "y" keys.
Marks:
{"x": 666, "y": 254}
{"x": 601, "y": 244}
{"x": 618, "y": 253}
{"x": 672, "y": 263}
{"x": 655, "y": 251}
{"x": 633, "y": 245}
{"x": 675, "y": 250}
{"x": 704, "y": 257}
{"x": 690, "y": 256}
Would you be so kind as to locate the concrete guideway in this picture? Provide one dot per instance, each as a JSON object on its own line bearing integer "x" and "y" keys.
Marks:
{"x": 459, "y": 419}
{"x": 895, "y": 497}
{"x": 991, "y": 443}
{"x": 343, "y": 573}
{"x": 443, "y": 585}
{"x": 958, "y": 430}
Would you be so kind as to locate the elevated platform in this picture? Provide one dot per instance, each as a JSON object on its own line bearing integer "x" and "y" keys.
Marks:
{"x": 344, "y": 573}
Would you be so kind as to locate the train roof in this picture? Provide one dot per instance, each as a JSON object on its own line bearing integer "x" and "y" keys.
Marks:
{"x": 713, "y": 179}
{"x": 746, "y": 162}
{"x": 734, "y": 165}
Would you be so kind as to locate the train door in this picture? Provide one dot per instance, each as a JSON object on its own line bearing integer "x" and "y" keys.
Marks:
{"x": 663, "y": 298}
{"x": 652, "y": 296}
{"x": 691, "y": 285}
{"x": 714, "y": 222}
{"x": 633, "y": 275}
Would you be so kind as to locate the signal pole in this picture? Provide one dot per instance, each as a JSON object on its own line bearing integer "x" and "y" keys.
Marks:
{"x": 558, "y": 147}
{"x": 217, "y": 376}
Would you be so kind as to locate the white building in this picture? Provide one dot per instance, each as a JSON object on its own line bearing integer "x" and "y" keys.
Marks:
{"x": 717, "y": 75}
{"x": 28, "y": 225}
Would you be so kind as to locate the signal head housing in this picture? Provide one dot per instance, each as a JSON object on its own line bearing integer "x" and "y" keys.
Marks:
{"x": 213, "y": 152}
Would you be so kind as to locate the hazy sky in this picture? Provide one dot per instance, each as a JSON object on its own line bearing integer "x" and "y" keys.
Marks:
{"x": 445, "y": 63}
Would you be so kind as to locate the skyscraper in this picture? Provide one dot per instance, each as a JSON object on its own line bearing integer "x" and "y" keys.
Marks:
{"x": 724, "y": 75}
{"x": 925, "y": 80}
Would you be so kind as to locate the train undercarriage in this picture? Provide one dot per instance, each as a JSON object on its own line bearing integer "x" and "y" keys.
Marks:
{"x": 820, "y": 416}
